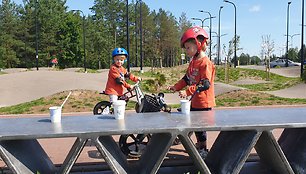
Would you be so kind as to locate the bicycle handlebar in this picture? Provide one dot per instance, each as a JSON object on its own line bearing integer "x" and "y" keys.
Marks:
{"x": 137, "y": 83}
{"x": 132, "y": 89}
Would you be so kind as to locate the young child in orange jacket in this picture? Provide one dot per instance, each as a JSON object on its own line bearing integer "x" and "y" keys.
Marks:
{"x": 199, "y": 77}
{"x": 117, "y": 75}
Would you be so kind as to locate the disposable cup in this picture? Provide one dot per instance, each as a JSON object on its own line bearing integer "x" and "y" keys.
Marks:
{"x": 119, "y": 109}
{"x": 185, "y": 106}
{"x": 55, "y": 114}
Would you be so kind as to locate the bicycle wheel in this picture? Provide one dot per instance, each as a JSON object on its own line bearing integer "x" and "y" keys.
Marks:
{"x": 101, "y": 106}
{"x": 139, "y": 108}
{"x": 134, "y": 144}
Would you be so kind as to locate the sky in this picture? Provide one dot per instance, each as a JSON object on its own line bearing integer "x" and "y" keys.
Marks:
{"x": 255, "y": 19}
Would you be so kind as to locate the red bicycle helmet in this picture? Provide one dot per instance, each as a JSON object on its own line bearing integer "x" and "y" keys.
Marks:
{"x": 193, "y": 33}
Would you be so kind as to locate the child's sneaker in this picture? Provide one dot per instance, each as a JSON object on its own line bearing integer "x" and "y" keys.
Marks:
{"x": 203, "y": 153}
{"x": 106, "y": 111}
{"x": 176, "y": 141}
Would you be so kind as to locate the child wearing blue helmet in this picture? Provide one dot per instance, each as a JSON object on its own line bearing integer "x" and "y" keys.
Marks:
{"x": 117, "y": 75}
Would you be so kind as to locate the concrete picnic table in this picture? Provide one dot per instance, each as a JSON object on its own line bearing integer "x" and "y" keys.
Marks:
{"x": 240, "y": 131}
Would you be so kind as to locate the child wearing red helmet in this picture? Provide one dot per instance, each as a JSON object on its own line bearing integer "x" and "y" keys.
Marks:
{"x": 117, "y": 75}
{"x": 199, "y": 78}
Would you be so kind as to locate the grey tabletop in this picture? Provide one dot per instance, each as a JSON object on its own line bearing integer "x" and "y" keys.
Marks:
{"x": 215, "y": 120}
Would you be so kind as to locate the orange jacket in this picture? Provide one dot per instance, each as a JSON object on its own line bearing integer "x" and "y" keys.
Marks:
{"x": 112, "y": 87}
{"x": 199, "y": 69}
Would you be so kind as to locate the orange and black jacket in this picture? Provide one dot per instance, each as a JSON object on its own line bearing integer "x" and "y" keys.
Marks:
{"x": 199, "y": 69}
{"x": 117, "y": 80}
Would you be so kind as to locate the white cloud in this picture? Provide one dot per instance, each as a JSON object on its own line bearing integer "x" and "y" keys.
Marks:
{"x": 255, "y": 8}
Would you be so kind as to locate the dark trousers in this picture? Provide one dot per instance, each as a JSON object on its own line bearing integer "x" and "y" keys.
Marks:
{"x": 201, "y": 136}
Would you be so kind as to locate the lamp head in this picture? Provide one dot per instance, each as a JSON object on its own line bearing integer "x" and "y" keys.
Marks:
{"x": 196, "y": 19}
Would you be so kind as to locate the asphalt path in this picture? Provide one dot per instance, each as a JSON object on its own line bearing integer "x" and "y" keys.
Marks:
{"x": 20, "y": 85}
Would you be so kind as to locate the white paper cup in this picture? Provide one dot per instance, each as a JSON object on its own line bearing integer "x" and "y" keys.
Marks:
{"x": 55, "y": 114}
{"x": 119, "y": 109}
{"x": 185, "y": 106}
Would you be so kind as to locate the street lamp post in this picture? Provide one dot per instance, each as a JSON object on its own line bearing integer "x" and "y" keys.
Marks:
{"x": 291, "y": 36}
{"x": 83, "y": 37}
{"x": 287, "y": 34}
{"x": 136, "y": 33}
{"x": 210, "y": 29}
{"x": 235, "y": 43}
{"x": 140, "y": 32}
{"x": 302, "y": 41}
{"x": 36, "y": 35}
{"x": 127, "y": 35}
{"x": 202, "y": 21}
{"x": 219, "y": 37}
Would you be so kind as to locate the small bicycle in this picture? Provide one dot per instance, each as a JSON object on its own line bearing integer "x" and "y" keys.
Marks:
{"x": 133, "y": 144}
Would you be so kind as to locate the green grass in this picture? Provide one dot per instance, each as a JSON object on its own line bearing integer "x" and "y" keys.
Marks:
{"x": 276, "y": 82}
{"x": 254, "y": 98}
{"x": 82, "y": 70}
{"x": 24, "y": 107}
{"x": 258, "y": 102}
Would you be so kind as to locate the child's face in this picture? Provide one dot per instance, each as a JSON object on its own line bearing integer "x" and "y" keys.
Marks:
{"x": 191, "y": 48}
{"x": 119, "y": 60}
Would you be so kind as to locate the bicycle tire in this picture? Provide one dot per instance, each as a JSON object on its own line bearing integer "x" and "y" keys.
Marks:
{"x": 139, "y": 108}
{"x": 133, "y": 145}
{"x": 99, "y": 107}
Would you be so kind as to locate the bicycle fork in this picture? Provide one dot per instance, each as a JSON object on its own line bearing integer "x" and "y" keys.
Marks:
{"x": 139, "y": 95}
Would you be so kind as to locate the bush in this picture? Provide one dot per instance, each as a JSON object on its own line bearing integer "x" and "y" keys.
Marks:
{"x": 161, "y": 79}
{"x": 149, "y": 85}
{"x": 154, "y": 85}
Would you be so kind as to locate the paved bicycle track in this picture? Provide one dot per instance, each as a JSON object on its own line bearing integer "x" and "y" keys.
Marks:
{"x": 26, "y": 86}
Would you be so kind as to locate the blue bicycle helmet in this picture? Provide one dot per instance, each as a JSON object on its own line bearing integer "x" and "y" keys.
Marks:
{"x": 119, "y": 51}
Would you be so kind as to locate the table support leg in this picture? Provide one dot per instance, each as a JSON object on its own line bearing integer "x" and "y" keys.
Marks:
{"x": 73, "y": 155}
{"x": 155, "y": 152}
{"x": 25, "y": 157}
{"x": 193, "y": 153}
{"x": 230, "y": 151}
{"x": 293, "y": 144}
{"x": 271, "y": 154}
{"x": 112, "y": 154}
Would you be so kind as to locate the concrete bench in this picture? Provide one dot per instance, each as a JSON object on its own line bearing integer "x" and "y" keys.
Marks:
{"x": 241, "y": 130}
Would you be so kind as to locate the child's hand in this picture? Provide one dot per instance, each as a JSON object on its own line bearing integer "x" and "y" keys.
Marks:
{"x": 171, "y": 88}
{"x": 139, "y": 79}
{"x": 131, "y": 87}
{"x": 183, "y": 94}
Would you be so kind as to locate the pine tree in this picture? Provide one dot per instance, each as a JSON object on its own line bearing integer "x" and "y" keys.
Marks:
{"x": 8, "y": 30}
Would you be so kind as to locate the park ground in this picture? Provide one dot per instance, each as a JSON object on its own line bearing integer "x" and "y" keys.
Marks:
{"x": 21, "y": 85}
